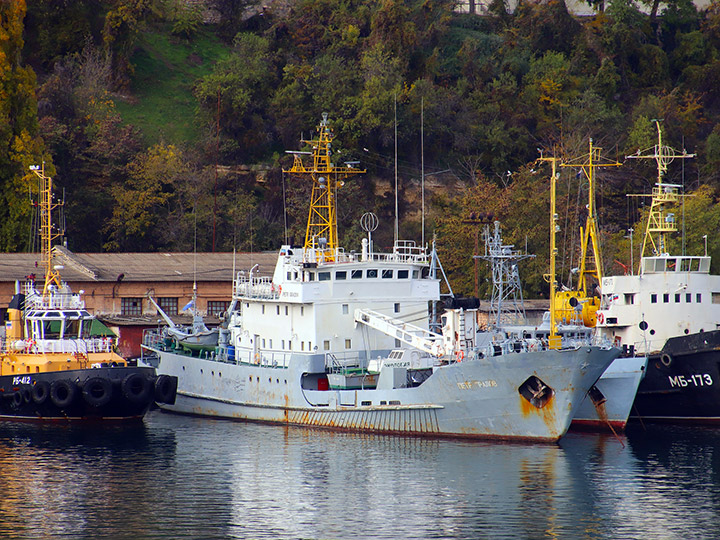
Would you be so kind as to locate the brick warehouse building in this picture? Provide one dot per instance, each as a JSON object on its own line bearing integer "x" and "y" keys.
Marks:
{"x": 117, "y": 286}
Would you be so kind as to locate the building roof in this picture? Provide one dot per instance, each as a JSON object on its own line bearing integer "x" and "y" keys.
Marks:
{"x": 137, "y": 266}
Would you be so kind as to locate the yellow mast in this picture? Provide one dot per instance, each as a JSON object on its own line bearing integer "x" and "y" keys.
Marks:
{"x": 659, "y": 223}
{"x": 321, "y": 232}
{"x": 47, "y": 231}
{"x": 590, "y": 267}
{"x": 554, "y": 339}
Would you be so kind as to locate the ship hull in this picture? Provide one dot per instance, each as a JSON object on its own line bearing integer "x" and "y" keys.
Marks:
{"x": 612, "y": 407}
{"x": 682, "y": 383}
{"x": 477, "y": 398}
{"x": 107, "y": 394}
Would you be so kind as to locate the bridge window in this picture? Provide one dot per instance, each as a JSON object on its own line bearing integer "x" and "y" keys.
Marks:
{"x": 356, "y": 274}
{"x": 348, "y": 344}
{"x": 323, "y": 276}
{"x": 397, "y": 307}
{"x": 341, "y": 275}
{"x": 387, "y": 274}
{"x": 688, "y": 298}
{"x": 402, "y": 274}
{"x": 698, "y": 298}
{"x": 677, "y": 298}
{"x": 716, "y": 298}
{"x": 666, "y": 298}
{"x": 629, "y": 298}
{"x": 326, "y": 344}
{"x": 372, "y": 273}
{"x": 653, "y": 298}
{"x": 345, "y": 309}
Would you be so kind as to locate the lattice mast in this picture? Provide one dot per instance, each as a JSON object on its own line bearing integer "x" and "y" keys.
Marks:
{"x": 48, "y": 232}
{"x": 590, "y": 253}
{"x": 321, "y": 232}
{"x": 660, "y": 222}
{"x": 506, "y": 303}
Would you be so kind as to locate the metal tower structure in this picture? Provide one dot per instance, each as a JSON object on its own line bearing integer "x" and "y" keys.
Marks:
{"x": 506, "y": 303}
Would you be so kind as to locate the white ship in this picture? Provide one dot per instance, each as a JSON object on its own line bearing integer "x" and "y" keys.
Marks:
{"x": 341, "y": 340}
{"x": 669, "y": 310}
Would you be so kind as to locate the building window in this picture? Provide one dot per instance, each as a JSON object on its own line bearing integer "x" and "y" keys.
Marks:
{"x": 168, "y": 305}
{"x": 653, "y": 298}
{"x": 217, "y": 307}
{"x": 131, "y": 306}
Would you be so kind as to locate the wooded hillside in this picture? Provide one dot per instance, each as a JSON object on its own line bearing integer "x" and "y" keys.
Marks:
{"x": 132, "y": 103}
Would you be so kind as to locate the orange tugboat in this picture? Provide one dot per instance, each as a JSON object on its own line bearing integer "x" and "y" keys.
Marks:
{"x": 57, "y": 365}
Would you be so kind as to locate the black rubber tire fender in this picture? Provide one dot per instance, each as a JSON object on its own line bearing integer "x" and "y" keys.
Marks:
{"x": 97, "y": 391}
{"x": 40, "y": 392}
{"x": 137, "y": 388}
{"x": 62, "y": 392}
{"x": 166, "y": 389}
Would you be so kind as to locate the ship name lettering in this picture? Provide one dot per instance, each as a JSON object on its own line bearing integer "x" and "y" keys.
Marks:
{"x": 21, "y": 380}
{"x": 469, "y": 385}
{"x": 289, "y": 294}
{"x": 697, "y": 379}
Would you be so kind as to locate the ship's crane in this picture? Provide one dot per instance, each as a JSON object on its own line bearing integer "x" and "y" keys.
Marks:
{"x": 412, "y": 335}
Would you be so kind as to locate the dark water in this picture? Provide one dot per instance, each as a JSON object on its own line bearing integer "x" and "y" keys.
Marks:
{"x": 181, "y": 477}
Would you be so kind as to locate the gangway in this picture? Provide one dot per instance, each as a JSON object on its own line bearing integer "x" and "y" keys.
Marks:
{"x": 412, "y": 335}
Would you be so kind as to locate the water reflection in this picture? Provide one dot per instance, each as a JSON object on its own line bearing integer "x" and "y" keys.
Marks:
{"x": 181, "y": 477}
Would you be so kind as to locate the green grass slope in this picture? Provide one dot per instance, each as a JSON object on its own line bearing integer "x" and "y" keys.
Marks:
{"x": 162, "y": 104}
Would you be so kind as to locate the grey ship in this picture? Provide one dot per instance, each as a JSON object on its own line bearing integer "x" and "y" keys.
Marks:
{"x": 341, "y": 340}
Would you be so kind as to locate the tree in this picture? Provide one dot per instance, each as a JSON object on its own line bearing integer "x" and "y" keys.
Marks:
{"x": 20, "y": 144}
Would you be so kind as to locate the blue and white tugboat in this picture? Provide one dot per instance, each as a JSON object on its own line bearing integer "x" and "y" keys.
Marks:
{"x": 340, "y": 340}
{"x": 56, "y": 364}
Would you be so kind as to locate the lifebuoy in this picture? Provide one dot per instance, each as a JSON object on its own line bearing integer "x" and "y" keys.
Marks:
{"x": 257, "y": 358}
{"x": 666, "y": 360}
{"x": 460, "y": 356}
{"x": 166, "y": 389}
{"x": 97, "y": 391}
{"x": 280, "y": 289}
{"x": 136, "y": 388}
{"x": 62, "y": 392}
{"x": 40, "y": 392}
{"x": 600, "y": 318}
